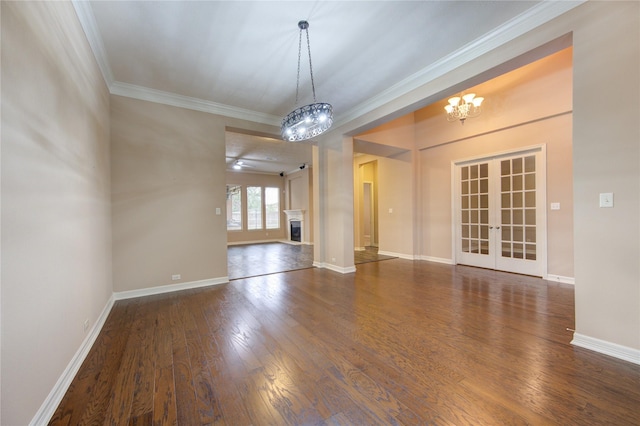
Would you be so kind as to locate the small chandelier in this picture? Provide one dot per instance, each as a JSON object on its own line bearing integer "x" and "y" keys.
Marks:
{"x": 463, "y": 107}
{"x": 310, "y": 120}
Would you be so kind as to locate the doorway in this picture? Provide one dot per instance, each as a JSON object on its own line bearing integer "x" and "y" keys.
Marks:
{"x": 366, "y": 209}
{"x": 368, "y": 216}
{"x": 500, "y": 214}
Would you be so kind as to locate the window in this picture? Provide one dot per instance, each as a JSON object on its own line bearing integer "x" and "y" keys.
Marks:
{"x": 234, "y": 208}
{"x": 254, "y": 207}
{"x": 272, "y": 207}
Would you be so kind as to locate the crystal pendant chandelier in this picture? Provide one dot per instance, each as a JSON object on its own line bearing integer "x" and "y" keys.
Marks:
{"x": 310, "y": 120}
{"x": 463, "y": 107}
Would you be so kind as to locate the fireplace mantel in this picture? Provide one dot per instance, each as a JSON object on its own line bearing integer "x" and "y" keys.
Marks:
{"x": 295, "y": 215}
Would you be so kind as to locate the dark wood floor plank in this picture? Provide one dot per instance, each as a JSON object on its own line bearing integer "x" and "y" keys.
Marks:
{"x": 187, "y": 411}
{"x": 206, "y": 390}
{"x": 164, "y": 400}
{"x": 144, "y": 374}
{"x": 278, "y": 378}
{"x": 398, "y": 342}
{"x": 121, "y": 400}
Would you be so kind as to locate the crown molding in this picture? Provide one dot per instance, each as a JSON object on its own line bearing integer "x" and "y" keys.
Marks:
{"x": 521, "y": 24}
{"x": 188, "y": 102}
{"x": 538, "y": 15}
{"x": 90, "y": 27}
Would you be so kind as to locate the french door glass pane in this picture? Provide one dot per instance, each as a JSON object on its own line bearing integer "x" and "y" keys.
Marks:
{"x": 518, "y": 209}
{"x": 474, "y": 201}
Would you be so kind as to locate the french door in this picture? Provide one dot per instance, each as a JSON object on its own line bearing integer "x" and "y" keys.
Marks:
{"x": 500, "y": 215}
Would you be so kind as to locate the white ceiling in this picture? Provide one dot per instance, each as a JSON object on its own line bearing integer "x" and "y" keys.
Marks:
{"x": 239, "y": 58}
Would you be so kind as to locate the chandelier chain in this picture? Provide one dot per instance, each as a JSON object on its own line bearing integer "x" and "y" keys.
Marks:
{"x": 299, "y": 57}
{"x": 313, "y": 86}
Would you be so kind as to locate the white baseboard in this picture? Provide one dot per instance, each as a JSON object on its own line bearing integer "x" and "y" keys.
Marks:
{"x": 561, "y": 279}
{"x": 340, "y": 269}
{"x": 437, "y": 259}
{"x": 399, "y": 255}
{"x": 50, "y": 404}
{"x": 295, "y": 243}
{"x": 602, "y": 346}
{"x": 359, "y": 249}
{"x": 242, "y": 243}
{"x": 120, "y": 295}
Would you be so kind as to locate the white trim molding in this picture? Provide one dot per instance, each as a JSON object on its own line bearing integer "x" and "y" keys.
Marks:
{"x": 335, "y": 268}
{"x": 607, "y": 348}
{"x": 188, "y": 102}
{"x": 50, "y": 404}
{"x": 241, "y": 243}
{"x": 538, "y": 15}
{"x": 437, "y": 260}
{"x": 130, "y": 294}
{"x": 398, "y": 255}
{"x": 90, "y": 28}
{"x": 561, "y": 279}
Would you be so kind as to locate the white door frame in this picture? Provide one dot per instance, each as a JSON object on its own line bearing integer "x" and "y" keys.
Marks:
{"x": 541, "y": 207}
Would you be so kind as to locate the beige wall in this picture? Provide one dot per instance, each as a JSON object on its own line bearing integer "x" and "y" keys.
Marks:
{"x": 527, "y": 107}
{"x": 56, "y": 224}
{"x": 606, "y": 158}
{"x": 394, "y": 182}
{"x": 257, "y": 179}
{"x": 399, "y": 133}
{"x": 168, "y": 178}
{"x": 333, "y": 203}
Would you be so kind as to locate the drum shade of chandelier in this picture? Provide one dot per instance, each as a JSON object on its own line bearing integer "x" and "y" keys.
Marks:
{"x": 310, "y": 120}
{"x": 463, "y": 107}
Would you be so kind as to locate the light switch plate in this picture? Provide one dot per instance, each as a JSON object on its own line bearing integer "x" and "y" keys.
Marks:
{"x": 606, "y": 199}
{"x": 555, "y": 206}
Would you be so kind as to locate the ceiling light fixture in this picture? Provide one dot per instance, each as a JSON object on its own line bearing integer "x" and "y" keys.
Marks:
{"x": 310, "y": 120}
{"x": 463, "y": 107}
{"x": 238, "y": 165}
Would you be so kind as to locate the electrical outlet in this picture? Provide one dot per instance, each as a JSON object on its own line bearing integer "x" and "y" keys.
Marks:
{"x": 175, "y": 277}
{"x": 85, "y": 325}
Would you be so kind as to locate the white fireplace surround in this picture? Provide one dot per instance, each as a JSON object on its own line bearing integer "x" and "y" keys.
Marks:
{"x": 295, "y": 214}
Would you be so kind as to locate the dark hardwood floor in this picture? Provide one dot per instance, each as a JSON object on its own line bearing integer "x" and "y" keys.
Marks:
{"x": 398, "y": 342}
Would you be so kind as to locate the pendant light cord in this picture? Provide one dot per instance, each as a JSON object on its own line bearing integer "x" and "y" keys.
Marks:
{"x": 304, "y": 25}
